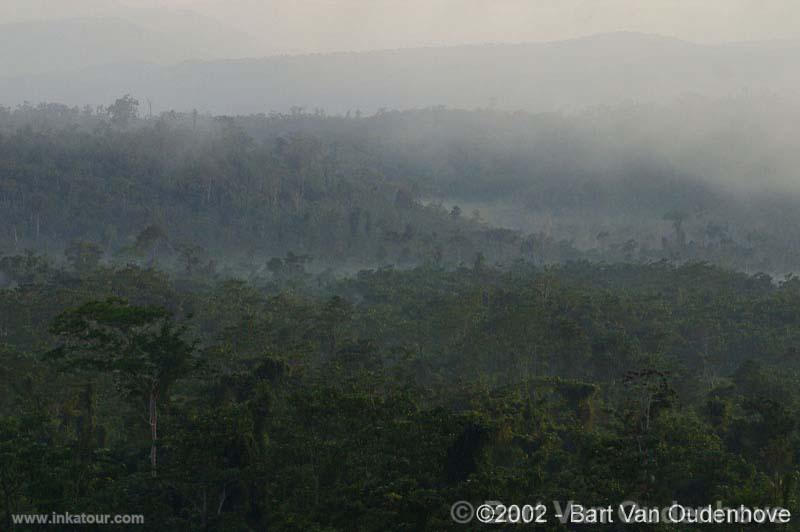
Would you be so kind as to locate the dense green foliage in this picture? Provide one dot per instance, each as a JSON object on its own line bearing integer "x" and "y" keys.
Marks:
{"x": 374, "y": 402}
{"x": 271, "y": 323}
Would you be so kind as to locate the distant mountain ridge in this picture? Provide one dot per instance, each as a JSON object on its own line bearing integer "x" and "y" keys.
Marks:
{"x": 603, "y": 69}
{"x": 42, "y": 47}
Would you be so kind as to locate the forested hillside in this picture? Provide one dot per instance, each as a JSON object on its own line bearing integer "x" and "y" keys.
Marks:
{"x": 157, "y": 190}
{"x": 311, "y": 322}
{"x": 433, "y": 186}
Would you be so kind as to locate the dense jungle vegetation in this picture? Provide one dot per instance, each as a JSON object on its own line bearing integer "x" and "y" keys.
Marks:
{"x": 297, "y": 322}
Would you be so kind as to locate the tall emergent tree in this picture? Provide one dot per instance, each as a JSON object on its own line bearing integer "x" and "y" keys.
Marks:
{"x": 124, "y": 110}
{"x": 141, "y": 347}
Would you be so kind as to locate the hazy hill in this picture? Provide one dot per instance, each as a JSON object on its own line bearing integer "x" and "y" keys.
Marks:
{"x": 598, "y": 70}
{"x": 69, "y": 45}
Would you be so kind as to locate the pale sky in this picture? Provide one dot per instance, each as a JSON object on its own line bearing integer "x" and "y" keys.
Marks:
{"x": 277, "y": 26}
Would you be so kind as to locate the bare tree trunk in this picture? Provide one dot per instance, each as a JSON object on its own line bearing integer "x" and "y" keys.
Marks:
{"x": 153, "y": 430}
{"x": 205, "y": 509}
{"x": 222, "y": 498}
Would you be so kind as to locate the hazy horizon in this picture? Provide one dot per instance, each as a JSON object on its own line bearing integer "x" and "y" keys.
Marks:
{"x": 278, "y": 27}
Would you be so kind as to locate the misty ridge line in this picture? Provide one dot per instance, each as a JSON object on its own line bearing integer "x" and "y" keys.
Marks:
{"x": 557, "y": 43}
{"x": 564, "y": 75}
{"x": 560, "y": 45}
